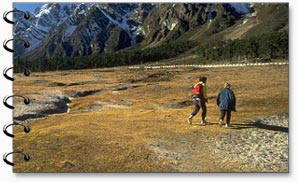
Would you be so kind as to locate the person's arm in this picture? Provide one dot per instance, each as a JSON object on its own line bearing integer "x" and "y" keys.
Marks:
{"x": 233, "y": 99}
{"x": 218, "y": 99}
{"x": 204, "y": 88}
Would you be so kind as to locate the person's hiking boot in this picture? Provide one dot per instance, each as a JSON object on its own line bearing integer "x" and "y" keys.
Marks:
{"x": 203, "y": 122}
{"x": 221, "y": 123}
{"x": 190, "y": 119}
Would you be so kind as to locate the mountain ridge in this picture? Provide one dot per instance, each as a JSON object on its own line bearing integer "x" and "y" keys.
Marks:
{"x": 74, "y": 20}
{"x": 92, "y": 29}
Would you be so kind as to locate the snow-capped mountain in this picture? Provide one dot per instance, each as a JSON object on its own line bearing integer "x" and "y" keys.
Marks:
{"x": 37, "y": 28}
{"x": 66, "y": 18}
{"x": 86, "y": 28}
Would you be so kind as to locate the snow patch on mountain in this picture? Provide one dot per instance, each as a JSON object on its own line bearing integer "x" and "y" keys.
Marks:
{"x": 244, "y": 21}
{"x": 123, "y": 24}
{"x": 44, "y": 10}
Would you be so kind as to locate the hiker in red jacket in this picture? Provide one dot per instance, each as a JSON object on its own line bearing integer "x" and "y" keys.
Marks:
{"x": 200, "y": 98}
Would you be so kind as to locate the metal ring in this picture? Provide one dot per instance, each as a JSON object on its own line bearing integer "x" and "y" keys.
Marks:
{"x": 26, "y": 44}
{"x": 26, "y": 157}
{"x": 26, "y": 100}
{"x": 27, "y": 129}
{"x": 5, "y": 14}
{"x": 26, "y": 72}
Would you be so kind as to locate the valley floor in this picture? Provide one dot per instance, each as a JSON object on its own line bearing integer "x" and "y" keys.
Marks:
{"x": 121, "y": 120}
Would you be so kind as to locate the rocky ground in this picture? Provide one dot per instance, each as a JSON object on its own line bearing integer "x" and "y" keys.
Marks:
{"x": 53, "y": 102}
{"x": 261, "y": 145}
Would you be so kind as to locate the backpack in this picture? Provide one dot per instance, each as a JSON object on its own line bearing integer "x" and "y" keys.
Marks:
{"x": 197, "y": 90}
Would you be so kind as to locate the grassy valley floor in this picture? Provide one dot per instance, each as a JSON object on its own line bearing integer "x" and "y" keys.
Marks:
{"x": 123, "y": 120}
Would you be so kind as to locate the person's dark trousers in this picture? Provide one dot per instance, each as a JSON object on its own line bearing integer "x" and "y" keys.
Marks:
{"x": 223, "y": 113}
{"x": 199, "y": 104}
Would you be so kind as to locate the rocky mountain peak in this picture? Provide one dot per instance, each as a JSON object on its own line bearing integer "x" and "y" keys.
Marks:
{"x": 86, "y": 28}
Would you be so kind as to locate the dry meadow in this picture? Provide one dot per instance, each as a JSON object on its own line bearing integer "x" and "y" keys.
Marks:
{"x": 123, "y": 120}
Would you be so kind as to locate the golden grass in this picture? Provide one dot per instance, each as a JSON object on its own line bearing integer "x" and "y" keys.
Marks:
{"x": 120, "y": 138}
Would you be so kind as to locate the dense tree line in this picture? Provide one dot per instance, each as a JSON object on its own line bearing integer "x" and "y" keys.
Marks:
{"x": 135, "y": 56}
{"x": 265, "y": 47}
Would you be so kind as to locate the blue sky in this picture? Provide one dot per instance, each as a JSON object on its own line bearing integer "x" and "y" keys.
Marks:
{"x": 27, "y": 6}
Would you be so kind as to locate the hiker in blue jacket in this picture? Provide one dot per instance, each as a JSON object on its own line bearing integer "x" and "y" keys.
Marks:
{"x": 226, "y": 101}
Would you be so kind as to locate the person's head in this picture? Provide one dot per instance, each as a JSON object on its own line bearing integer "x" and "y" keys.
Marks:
{"x": 203, "y": 79}
{"x": 227, "y": 85}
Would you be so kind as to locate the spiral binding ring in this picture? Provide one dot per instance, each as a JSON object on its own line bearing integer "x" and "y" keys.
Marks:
{"x": 26, "y": 100}
{"x": 26, "y": 72}
{"x": 26, "y": 44}
{"x": 26, "y": 157}
{"x": 26, "y": 15}
{"x": 27, "y": 129}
